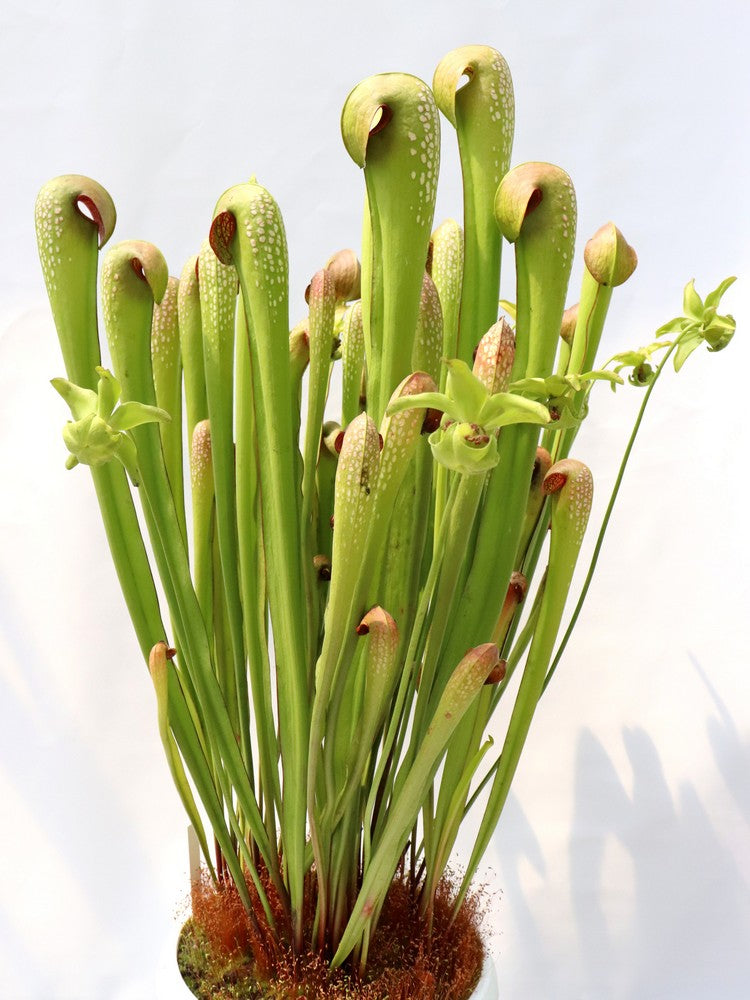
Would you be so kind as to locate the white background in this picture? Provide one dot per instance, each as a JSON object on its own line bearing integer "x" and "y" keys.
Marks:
{"x": 621, "y": 868}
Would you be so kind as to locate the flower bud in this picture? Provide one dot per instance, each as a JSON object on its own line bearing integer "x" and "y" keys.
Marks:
{"x": 299, "y": 350}
{"x": 568, "y": 325}
{"x": 609, "y": 257}
{"x": 91, "y": 440}
{"x": 345, "y": 269}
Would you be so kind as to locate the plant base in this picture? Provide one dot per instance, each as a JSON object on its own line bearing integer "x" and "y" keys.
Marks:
{"x": 217, "y": 960}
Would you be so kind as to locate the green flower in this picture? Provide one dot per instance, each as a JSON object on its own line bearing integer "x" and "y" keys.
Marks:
{"x": 566, "y": 396}
{"x": 99, "y": 432}
{"x": 639, "y": 361}
{"x": 700, "y": 323}
{"x": 466, "y": 441}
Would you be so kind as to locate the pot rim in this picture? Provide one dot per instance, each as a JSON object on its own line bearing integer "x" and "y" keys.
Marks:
{"x": 487, "y": 987}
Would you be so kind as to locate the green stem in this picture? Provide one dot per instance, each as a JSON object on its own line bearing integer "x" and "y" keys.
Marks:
{"x": 605, "y": 522}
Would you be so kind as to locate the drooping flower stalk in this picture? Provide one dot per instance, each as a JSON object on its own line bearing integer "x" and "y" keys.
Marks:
{"x": 609, "y": 261}
{"x": 699, "y": 324}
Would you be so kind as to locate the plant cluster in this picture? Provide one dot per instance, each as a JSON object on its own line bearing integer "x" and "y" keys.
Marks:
{"x": 349, "y": 599}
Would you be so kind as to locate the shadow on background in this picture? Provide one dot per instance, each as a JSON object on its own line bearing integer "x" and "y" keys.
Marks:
{"x": 516, "y": 844}
{"x": 689, "y": 929}
{"x": 731, "y": 754}
{"x": 667, "y": 917}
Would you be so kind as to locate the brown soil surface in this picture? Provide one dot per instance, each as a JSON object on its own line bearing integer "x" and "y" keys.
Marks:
{"x": 224, "y": 955}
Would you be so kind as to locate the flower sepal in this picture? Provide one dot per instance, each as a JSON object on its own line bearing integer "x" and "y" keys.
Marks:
{"x": 99, "y": 429}
{"x": 464, "y": 447}
{"x": 639, "y": 361}
{"x": 566, "y": 396}
{"x": 701, "y": 323}
{"x": 466, "y": 440}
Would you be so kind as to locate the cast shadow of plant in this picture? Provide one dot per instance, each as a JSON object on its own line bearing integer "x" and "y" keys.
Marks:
{"x": 517, "y": 845}
{"x": 691, "y": 908}
{"x": 731, "y": 753}
{"x": 674, "y": 924}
